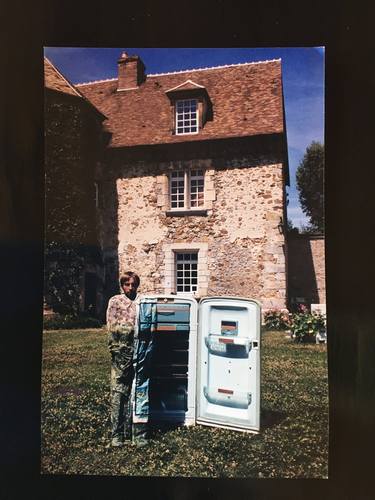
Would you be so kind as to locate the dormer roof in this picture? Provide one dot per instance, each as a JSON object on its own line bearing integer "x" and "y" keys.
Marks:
{"x": 187, "y": 85}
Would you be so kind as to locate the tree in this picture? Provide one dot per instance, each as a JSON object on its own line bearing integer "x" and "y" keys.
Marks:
{"x": 310, "y": 177}
{"x": 290, "y": 227}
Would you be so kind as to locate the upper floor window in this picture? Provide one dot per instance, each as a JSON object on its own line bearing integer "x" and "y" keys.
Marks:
{"x": 187, "y": 116}
{"x": 187, "y": 189}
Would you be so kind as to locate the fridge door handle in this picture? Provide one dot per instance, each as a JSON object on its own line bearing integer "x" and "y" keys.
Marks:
{"x": 218, "y": 343}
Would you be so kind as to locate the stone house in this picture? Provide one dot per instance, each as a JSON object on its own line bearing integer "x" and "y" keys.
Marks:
{"x": 73, "y": 144}
{"x": 191, "y": 186}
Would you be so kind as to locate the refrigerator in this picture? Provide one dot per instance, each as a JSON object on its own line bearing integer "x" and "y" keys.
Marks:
{"x": 198, "y": 363}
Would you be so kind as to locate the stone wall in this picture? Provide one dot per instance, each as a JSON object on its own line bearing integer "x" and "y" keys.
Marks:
{"x": 72, "y": 148}
{"x": 307, "y": 268}
{"x": 241, "y": 250}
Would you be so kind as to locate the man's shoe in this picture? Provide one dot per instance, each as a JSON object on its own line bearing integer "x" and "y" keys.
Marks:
{"x": 117, "y": 442}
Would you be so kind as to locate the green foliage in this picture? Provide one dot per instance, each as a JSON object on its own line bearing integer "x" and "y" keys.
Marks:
{"x": 305, "y": 326}
{"x": 276, "y": 320}
{"x": 68, "y": 321}
{"x": 71, "y": 147}
{"x": 293, "y": 442}
{"x": 291, "y": 228}
{"x": 310, "y": 178}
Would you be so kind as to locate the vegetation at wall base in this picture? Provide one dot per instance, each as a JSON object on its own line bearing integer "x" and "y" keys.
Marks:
{"x": 70, "y": 321}
{"x": 276, "y": 320}
{"x": 303, "y": 325}
{"x": 292, "y": 443}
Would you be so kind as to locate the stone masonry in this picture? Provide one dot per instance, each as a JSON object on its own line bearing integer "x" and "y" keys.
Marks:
{"x": 307, "y": 268}
{"x": 241, "y": 250}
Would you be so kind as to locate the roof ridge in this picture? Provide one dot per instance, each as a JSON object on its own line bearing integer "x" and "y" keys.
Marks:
{"x": 214, "y": 67}
{"x": 96, "y": 81}
{"x": 186, "y": 71}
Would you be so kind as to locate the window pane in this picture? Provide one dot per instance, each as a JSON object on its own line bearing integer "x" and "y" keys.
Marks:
{"x": 184, "y": 278}
{"x": 186, "y": 116}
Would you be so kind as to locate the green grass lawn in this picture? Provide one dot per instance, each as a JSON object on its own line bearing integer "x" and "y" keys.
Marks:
{"x": 293, "y": 442}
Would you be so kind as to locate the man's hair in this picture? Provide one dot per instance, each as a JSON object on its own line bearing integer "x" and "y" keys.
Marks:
{"x": 130, "y": 274}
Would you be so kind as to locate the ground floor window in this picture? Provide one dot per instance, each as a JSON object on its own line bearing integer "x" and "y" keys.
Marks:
{"x": 186, "y": 268}
{"x": 186, "y": 271}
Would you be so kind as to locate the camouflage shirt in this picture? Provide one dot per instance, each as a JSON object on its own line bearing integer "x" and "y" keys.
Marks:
{"x": 121, "y": 315}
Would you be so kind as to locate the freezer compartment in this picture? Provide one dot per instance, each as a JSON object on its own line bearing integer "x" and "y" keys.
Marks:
{"x": 168, "y": 394}
{"x": 173, "y": 313}
{"x": 233, "y": 347}
{"x": 227, "y": 397}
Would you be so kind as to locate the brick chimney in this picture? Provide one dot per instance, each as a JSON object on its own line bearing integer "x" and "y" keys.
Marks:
{"x": 131, "y": 72}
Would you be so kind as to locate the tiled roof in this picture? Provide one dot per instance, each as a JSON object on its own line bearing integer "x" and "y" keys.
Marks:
{"x": 246, "y": 100}
{"x": 54, "y": 80}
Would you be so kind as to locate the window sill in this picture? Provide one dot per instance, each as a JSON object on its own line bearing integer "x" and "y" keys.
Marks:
{"x": 183, "y": 213}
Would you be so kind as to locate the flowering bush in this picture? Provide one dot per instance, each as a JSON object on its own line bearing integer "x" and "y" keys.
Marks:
{"x": 304, "y": 326}
{"x": 276, "y": 320}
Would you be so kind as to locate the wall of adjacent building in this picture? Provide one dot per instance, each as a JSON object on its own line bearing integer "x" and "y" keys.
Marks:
{"x": 72, "y": 148}
{"x": 307, "y": 268}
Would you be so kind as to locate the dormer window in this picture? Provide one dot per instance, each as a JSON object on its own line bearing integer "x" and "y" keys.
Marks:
{"x": 187, "y": 116}
{"x": 190, "y": 108}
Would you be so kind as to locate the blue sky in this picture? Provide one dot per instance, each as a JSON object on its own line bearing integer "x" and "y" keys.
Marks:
{"x": 303, "y": 83}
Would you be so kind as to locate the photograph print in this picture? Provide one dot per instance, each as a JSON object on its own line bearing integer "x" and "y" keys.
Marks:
{"x": 184, "y": 287}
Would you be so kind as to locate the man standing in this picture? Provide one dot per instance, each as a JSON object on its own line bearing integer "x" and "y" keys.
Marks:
{"x": 121, "y": 316}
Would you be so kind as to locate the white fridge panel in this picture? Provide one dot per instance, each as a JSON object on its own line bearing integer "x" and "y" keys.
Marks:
{"x": 229, "y": 363}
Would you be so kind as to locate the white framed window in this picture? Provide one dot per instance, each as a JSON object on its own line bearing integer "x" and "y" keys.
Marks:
{"x": 193, "y": 273}
{"x": 186, "y": 272}
{"x": 187, "y": 116}
{"x": 187, "y": 189}
{"x": 196, "y": 185}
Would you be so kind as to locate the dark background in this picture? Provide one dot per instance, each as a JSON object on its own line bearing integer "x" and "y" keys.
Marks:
{"x": 345, "y": 29}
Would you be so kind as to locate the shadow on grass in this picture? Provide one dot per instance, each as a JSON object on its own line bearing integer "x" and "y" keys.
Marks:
{"x": 268, "y": 419}
{"x": 160, "y": 428}
{"x": 271, "y": 418}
